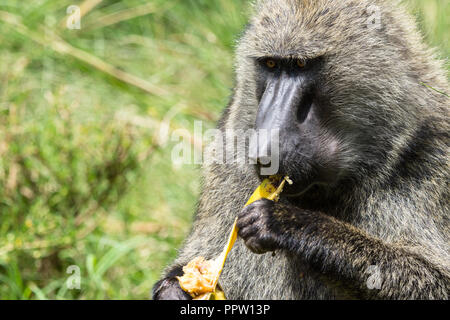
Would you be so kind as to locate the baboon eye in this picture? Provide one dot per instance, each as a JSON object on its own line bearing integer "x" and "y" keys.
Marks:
{"x": 270, "y": 63}
{"x": 301, "y": 63}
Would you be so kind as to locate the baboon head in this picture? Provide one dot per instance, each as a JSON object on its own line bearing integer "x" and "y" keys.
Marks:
{"x": 335, "y": 77}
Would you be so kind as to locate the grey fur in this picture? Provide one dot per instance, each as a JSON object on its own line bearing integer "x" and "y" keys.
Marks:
{"x": 399, "y": 208}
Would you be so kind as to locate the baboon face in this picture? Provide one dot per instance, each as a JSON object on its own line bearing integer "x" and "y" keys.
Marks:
{"x": 318, "y": 75}
{"x": 289, "y": 100}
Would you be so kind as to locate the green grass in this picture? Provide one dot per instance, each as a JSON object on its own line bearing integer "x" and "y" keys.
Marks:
{"x": 82, "y": 184}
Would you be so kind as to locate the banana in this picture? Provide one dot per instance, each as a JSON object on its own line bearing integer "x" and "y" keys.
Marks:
{"x": 271, "y": 189}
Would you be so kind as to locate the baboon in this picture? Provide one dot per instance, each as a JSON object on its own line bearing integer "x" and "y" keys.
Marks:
{"x": 362, "y": 108}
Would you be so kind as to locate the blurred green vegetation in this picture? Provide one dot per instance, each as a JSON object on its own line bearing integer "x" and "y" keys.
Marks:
{"x": 84, "y": 179}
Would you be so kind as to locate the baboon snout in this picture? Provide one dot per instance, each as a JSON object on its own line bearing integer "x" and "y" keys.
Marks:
{"x": 282, "y": 116}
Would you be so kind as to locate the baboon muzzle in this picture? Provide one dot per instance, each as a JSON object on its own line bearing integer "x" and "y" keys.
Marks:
{"x": 283, "y": 108}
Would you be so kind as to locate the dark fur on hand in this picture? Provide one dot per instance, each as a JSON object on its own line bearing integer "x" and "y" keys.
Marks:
{"x": 169, "y": 287}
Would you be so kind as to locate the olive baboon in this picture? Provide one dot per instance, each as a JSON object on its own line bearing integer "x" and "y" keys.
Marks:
{"x": 363, "y": 114}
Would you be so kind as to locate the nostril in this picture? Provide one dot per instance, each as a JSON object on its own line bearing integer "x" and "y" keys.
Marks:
{"x": 304, "y": 106}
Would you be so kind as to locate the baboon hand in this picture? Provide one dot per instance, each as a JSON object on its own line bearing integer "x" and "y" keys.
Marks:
{"x": 259, "y": 228}
{"x": 169, "y": 289}
{"x": 268, "y": 226}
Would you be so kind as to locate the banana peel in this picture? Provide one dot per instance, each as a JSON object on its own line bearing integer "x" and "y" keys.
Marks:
{"x": 271, "y": 189}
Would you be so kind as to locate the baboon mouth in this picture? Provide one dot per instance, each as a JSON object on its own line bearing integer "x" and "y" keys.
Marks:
{"x": 299, "y": 186}
{"x": 297, "y": 189}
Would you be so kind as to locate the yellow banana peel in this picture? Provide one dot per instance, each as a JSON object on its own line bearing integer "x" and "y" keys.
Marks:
{"x": 271, "y": 189}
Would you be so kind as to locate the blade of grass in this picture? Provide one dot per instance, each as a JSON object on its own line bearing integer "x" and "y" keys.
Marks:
{"x": 85, "y": 8}
{"x": 62, "y": 47}
{"x": 116, "y": 17}
{"x": 438, "y": 91}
